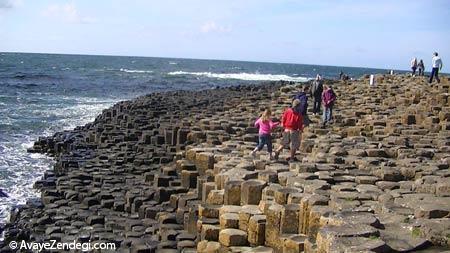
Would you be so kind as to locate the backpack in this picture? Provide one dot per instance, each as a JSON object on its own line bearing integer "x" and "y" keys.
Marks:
{"x": 302, "y": 108}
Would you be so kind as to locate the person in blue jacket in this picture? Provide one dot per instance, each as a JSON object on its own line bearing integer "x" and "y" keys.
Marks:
{"x": 302, "y": 108}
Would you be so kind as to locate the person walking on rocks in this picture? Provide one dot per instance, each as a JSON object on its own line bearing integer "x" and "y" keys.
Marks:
{"x": 316, "y": 94}
{"x": 421, "y": 67}
{"x": 414, "y": 66}
{"x": 292, "y": 122}
{"x": 265, "y": 125}
{"x": 328, "y": 99}
{"x": 303, "y": 106}
{"x": 436, "y": 66}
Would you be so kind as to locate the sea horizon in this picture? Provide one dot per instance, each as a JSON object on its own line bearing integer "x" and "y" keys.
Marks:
{"x": 396, "y": 70}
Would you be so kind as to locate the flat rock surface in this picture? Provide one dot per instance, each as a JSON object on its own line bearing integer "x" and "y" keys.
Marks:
{"x": 173, "y": 171}
{"x": 403, "y": 238}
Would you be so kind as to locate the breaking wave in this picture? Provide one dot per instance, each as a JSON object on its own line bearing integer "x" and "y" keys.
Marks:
{"x": 136, "y": 71}
{"x": 243, "y": 76}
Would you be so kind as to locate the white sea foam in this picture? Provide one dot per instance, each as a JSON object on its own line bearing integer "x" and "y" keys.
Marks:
{"x": 243, "y": 76}
{"x": 84, "y": 111}
{"x": 26, "y": 167}
{"x": 173, "y": 63}
{"x": 136, "y": 71}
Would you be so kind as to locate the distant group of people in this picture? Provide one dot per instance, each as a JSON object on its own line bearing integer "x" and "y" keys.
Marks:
{"x": 420, "y": 67}
{"x": 295, "y": 119}
{"x": 343, "y": 76}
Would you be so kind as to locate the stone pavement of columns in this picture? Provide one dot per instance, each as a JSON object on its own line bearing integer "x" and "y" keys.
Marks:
{"x": 172, "y": 173}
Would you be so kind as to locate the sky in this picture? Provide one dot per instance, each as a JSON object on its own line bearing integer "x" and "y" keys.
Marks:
{"x": 361, "y": 33}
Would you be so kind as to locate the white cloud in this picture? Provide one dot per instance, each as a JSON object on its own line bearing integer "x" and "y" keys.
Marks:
{"x": 8, "y": 4}
{"x": 67, "y": 12}
{"x": 5, "y": 4}
{"x": 213, "y": 27}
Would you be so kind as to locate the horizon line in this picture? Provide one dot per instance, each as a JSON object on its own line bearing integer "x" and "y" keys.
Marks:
{"x": 205, "y": 59}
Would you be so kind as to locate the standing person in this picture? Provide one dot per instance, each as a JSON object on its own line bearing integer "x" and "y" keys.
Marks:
{"x": 414, "y": 66}
{"x": 265, "y": 125}
{"x": 303, "y": 106}
{"x": 328, "y": 98}
{"x": 292, "y": 123}
{"x": 341, "y": 75}
{"x": 421, "y": 67}
{"x": 437, "y": 65}
{"x": 316, "y": 94}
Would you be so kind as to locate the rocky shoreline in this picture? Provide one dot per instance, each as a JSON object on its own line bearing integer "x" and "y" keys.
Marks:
{"x": 171, "y": 172}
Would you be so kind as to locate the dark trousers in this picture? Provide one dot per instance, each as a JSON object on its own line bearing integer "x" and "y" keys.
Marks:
{"x": 420, "y": 71}
{"x": 316, "y": 104}
{"x": 265, "y": 139}
{"x": 434, "y": 73}
{"x": 306, "y": 120}
{"x": 413, "y": 70}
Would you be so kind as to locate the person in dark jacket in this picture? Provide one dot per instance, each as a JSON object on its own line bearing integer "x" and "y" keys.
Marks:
{"x": 316, "y": 94}
{"x": 303, "y": 106}
{"x": 421, "y": 67}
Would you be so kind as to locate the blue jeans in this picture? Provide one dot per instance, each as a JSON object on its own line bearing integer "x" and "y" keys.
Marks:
{"x": 327, "y": 113}
{"x": 434, "y": 73}
{"x": 263, "y": 140}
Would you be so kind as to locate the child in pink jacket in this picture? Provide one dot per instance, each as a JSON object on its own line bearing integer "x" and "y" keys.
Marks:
{"x": 265, "y": 125}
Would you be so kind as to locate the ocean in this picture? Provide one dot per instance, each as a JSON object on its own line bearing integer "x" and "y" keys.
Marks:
{"x": 41, "y": 94}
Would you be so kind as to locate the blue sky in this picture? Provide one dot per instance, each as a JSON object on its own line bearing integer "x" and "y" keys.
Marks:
{"x": 383, "y": 34}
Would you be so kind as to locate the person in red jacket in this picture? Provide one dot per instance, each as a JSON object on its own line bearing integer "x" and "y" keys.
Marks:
{"x": 292, "y": 122}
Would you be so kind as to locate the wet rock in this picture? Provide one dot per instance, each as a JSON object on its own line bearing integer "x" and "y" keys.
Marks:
{"x": 3, "y": 194}
{"x": 143, "y": 248}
